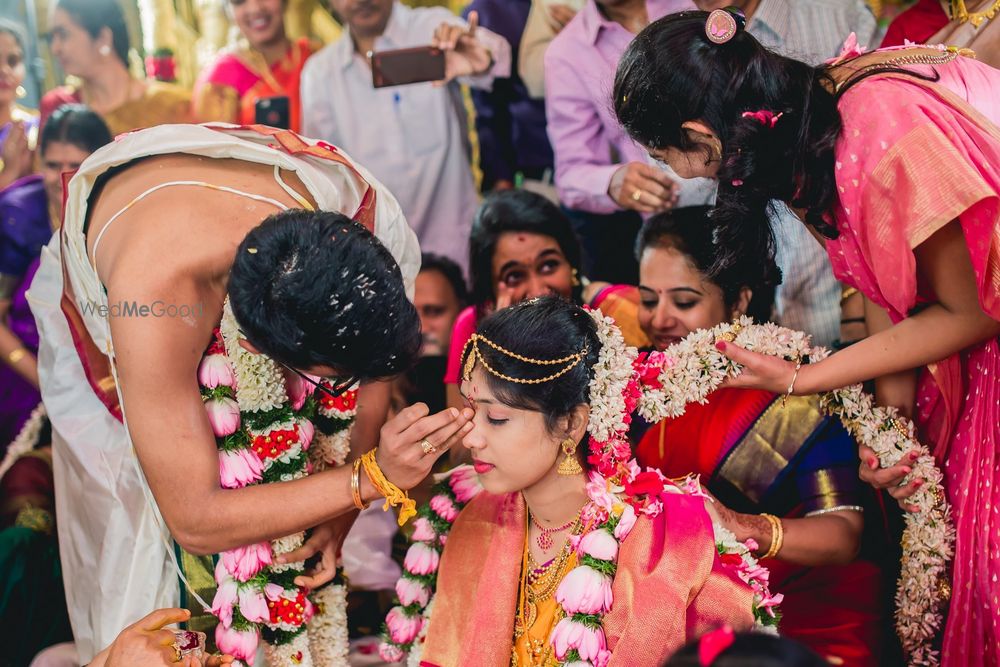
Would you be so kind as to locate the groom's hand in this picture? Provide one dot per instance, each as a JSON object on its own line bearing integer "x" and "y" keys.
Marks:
{"x": 326, "y": 541}
{"x": 401, "y": 454}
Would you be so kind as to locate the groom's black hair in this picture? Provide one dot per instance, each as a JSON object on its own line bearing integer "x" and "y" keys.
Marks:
{"x": 318, "y": 289}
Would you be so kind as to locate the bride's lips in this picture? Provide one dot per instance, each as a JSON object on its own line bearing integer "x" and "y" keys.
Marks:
{"x": 482, "y": 467}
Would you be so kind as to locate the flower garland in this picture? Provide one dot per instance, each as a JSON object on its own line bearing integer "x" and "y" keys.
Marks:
{"x": 264, "y": 427}
{"x": 406, "y": 623}
{"x": 26, "y": 439}
{"x": 619, "y": 492}
{"x": 693, "y": 368}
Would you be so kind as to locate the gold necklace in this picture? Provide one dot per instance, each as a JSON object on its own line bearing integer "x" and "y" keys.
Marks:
{"x": 960, "y": 13}
{"x": 538, "y": 589}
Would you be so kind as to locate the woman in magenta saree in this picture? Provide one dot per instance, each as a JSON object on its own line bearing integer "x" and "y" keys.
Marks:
{"x": 892, "y": 159}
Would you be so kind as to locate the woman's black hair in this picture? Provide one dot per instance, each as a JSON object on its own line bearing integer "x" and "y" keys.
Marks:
{"x": 546, "y": 328}
{"x": 17, "y": 31}
{"x": 315, "y": 288}
{"x": 751, "y": 649}
{"x": 75, "y": 124}
{"x": 691, "y": 232}
{"x": 671, "y": 73}
{"x": 95, "y": 15}
{"x": 515, "y": 211}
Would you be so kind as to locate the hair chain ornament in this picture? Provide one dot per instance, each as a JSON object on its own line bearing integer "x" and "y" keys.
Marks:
{"x": 392, "y": 493}
{"x": 471, "y": 352}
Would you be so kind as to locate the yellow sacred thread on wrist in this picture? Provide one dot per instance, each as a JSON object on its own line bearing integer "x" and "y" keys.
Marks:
{"x": 393, "y": 494}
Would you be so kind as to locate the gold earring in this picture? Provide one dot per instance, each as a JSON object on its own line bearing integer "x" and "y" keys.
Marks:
{"x": 105, "y": 50}
{"x": 569, "y": 466}
{"x": 576, "y": 278}
{"x": 21, "y": 92}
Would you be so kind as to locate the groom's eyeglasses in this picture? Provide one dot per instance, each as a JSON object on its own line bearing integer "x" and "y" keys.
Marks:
{"x": 337, "y": 389}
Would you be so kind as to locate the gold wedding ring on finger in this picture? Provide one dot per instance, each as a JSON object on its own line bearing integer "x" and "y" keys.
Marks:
{"x": 428, "y": 448}
{"x": 636, "y": 195}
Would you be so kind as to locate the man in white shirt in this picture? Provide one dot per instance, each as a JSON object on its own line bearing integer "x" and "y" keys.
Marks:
{"x": 413, "y": 138}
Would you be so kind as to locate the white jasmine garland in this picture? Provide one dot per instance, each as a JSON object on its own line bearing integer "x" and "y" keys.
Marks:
{"x": 612, "y": 373}
{"x": 26, "y": 440}
{"x": 694, "y": 368}
{"x": 295, "y": 652}
{"x": 329, "y": 643}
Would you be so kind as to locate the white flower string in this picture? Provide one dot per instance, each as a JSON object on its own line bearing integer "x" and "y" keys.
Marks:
{"x": 691, "y": 369}
{"x": 264, "y": 426}
{"x": 619, "y": 493}
{"x": 26, "y": 440}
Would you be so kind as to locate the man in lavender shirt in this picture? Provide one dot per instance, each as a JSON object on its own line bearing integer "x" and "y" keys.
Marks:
{"x": 604, "y": 179}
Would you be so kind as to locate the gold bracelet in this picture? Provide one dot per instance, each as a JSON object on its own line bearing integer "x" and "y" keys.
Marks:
{"x": 847, "y": 293}
{"x": 16, "y": 355}
{"x": 356, "y": 486}
{"x": 791, "y": 385}
{"x": 777, "y": 536}
{"x": 392, "y": 493}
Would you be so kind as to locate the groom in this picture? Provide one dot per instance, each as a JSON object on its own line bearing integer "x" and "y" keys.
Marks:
{"x": 160, "y": 228}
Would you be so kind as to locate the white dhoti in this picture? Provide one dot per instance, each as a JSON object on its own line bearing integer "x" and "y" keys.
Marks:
{"x": 114, "y": 547}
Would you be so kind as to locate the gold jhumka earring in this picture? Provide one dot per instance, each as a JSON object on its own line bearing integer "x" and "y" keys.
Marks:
{"x": 569, "y": 466}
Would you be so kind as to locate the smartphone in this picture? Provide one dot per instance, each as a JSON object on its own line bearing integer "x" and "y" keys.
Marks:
{"x": 403, "y": 66}
{"x": 273, "y": 111}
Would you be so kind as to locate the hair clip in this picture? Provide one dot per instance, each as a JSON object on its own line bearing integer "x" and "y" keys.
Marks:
{"x": 723, "y": 24}
{"x": 713, "y": 644}
{"x": 766, "y": 118}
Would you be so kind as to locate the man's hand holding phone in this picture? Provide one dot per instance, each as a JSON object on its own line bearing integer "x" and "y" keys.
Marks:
{"x": 464, "y": 54}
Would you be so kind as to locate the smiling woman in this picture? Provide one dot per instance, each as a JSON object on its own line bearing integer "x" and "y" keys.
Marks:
{"x": 521, "y": 247}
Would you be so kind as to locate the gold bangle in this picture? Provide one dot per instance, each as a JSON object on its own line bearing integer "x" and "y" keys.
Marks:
{"x": 392, "y": 493}
{"x": 16, "y": 355}
{"x": 847, "y": 293}
{"x": 356, "y": 486}
{"x": 791, "y": 385}
{"x": 777, "y": 536}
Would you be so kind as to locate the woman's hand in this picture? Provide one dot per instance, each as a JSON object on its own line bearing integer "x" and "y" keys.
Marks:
{"x": 401, "y": 454}
{"x": 760, "y": 371}
{"x": 507, "y": 296}
{"x": 890, "y": 479}
{"x": 560, "y": 15}
{"x": 17, "y": 156}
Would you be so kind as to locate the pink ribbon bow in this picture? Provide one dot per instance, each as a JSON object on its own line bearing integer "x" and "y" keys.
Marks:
{"x": 712, "y": 644}
{"x": 765, "y": 118}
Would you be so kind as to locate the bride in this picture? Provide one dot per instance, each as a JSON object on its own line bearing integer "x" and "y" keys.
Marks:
{"x": 537, "y": 569}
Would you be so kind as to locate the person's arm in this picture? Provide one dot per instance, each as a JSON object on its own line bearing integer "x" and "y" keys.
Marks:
{"x": 951, "y": 324}
{"x": 538, "y": 32}
{"x": 898, "y": 390}
{"x": 13, "y": 352}
{"x": 833, "y": 538}
{"x": 157, "y": 360}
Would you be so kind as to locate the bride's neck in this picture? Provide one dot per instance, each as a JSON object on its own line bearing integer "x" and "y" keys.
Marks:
{"x": 556, "y": 499}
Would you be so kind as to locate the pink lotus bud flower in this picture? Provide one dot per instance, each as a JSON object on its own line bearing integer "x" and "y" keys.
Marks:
{"x": 390, "y": 652}
{"x": 245, "y": 562}
{"x": 223, "y": 415}
{"x": 225, "y": 597}
{"x": 214, "y": 370}
{"x": 273, "y": 592}
{"x": 625, "y": 523}
{"x": 253, "y": 605}
{"x": 423, "y": 530}
{"x": 578, "y": 663}
{"x": 410, "y": 591}
{"x": 238, "y": 468}
{"x": 585, "y": 591}
{"x": 403, "y": 629}
{"x": 569, "y": 634}
{"x": 306, "y": 433}
{"x": 444, "y": 508}
{"x": 752, "y": 545}
{"x": 297, "y": 389}
{"x": 599, "y": 544}
{"x": 421, "y": 559}
{"x": 464, "y": 484}
{"x": 240, "y": 645}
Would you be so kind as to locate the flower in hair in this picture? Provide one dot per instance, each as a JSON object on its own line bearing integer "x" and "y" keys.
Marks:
{"x": 766, "y": 118}
{"x": 723, "y": 24}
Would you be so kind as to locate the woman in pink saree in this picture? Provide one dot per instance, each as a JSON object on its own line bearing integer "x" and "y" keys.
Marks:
{"x": 892, "y": 160}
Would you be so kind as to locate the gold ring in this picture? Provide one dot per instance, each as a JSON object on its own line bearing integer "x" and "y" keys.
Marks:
{"x": 636, "y": 195}
{"x": 177, "y": 651}
{"x": 428, "y": 448}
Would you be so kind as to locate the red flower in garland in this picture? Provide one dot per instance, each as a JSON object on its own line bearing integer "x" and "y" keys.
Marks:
{"x": 645, "y": 484}
{"x": 275, "y": 443}
{"x": 289, "y": 612}
{"x": 344, "y": 403}
{"x": 732, "y": 560}
{"x": 216, "y": 346}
